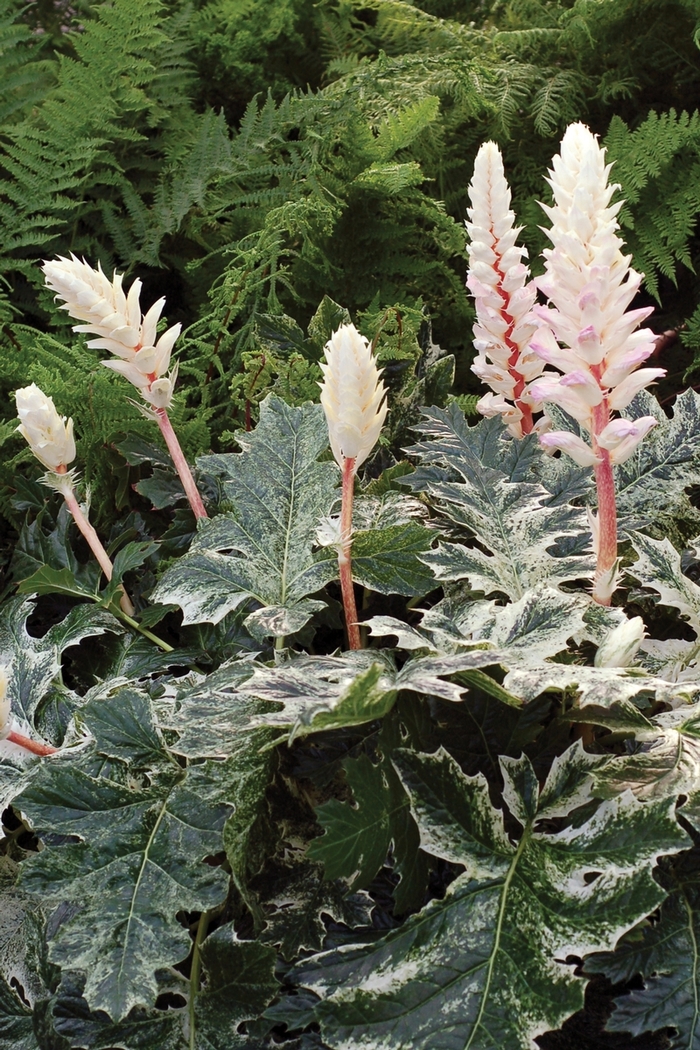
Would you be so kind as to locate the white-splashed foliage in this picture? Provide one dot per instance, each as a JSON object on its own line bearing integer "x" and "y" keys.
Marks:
{"x": 277, "y": 491}
{"x": 195, "y": 780}
{"x": 518, "y": 539}
{"x": 488, "y": 957}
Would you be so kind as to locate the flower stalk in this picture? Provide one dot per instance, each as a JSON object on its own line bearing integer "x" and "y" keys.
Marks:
{"x": 345, "y": 557}
{"x": 180, "y": 463}
{"x": 588, "y": 334}
{"x": 131, "y": 337}
{"x": 353, "y": 399}
{"x": 50, "y": 437}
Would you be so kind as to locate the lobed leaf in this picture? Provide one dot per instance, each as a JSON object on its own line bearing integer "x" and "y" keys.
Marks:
{"x": 511, "y": 524}
{"x": 122, "y": 859}
{"x": 481, "y": 968}
{"x": 278, "y": 491}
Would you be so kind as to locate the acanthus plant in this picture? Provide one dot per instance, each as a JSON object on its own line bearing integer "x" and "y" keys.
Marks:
{"x": 586, "y": 332}
{"x": 250, "y": 837}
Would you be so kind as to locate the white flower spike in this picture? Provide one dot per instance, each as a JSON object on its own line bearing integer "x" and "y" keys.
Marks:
{"x": 588, "y": 333}
{"x": 50, "y": 436}
{"x": 116, "y": 318}
{"x": 620, "y": 647}
{"x": 352, "y": 395}
{"x": 503, "y": 295}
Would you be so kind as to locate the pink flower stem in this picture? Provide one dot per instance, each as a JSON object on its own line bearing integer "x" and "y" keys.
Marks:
{"x": 181, "y": 464}
{"x": 607, "y": 509}
{"x": 31, "y": 745}
{"x": 95, "y": 545}
{"x": 344, "y": 558}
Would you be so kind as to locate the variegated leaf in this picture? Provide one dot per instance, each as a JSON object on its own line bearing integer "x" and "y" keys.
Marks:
{"x": 665, "y": 763}
{"x": 483, "y": 967}
{"x": 527, "y": 631}
{"x": 125, "y": 831}
{"x": 514, "y": 521}
{"x": 667, "y": 955}
{"x": 261, "y": 552}
{"x": 652, "y": 485}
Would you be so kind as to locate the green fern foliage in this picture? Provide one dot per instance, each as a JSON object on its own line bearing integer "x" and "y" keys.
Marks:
{"x": 658, "y": 166}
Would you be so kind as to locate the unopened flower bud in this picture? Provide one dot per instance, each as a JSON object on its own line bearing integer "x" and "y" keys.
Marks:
{"x": 50, "y": 436}
{"x": 620, "y": 647}
{"x": 352, "y": 395}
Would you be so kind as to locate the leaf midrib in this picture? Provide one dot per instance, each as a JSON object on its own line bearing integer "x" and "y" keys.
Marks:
{"x": 499, "y": 929}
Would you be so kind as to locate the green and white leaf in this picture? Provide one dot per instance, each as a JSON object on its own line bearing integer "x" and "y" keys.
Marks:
{"x": 667, "y": 956}
{"x": 482, "y": 968}
{"x": 123, "y": 856}
{"x": 240, "y": 983}
{"x": 144, "y": 1028}
{"x": 652, "y": 485}
{"x": 277, "y": 490}
{"x": 527, "y": 631}
{"x": 33, "y": 664}
{"x": 299, "y": 898}
{"x": 658, "y": 567}
{"x": 318, "y": 693}
{"x": 666, "y": 762}
{"x": 516, "y": 526}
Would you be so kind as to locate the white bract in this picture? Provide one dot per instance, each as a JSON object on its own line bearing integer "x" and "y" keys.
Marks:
{"x": 503, "y": 295}
{"x": 352, "y": 395}
{"x": 588, "y": 334}
{"x": 49, "y": 435}
{"x": 620, "y": 647}
{"x": 116, "y": 318}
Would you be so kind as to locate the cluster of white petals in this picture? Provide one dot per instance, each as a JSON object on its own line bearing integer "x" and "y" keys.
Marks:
{"x": 503, "y": 295}
{"x": 588, "y": 333}
{"x": 352, "y": 395}
{"x": 49, "y": 435}
{"x": 116, "y": 318}
{"x": 621, "y": 645}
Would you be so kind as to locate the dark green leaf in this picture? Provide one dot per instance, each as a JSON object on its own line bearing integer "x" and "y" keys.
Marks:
{"x": 300, "y": 896}
{"x": 240, "y": 984}
{"x": 666, "y": 954}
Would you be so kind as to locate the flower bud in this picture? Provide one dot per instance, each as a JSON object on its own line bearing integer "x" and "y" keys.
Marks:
{"x": 49, "y": 435}
{"x": 620, "y": 647}
{"x": 352, "y": 395}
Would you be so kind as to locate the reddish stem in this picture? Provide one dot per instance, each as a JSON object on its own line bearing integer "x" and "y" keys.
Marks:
{"x": 344, "y": 557}
{"x": 181, "y": 465}
{"x": 607, "y": 509}
{"x": 95, "y": 544}
{"x": 31, "y": 745}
